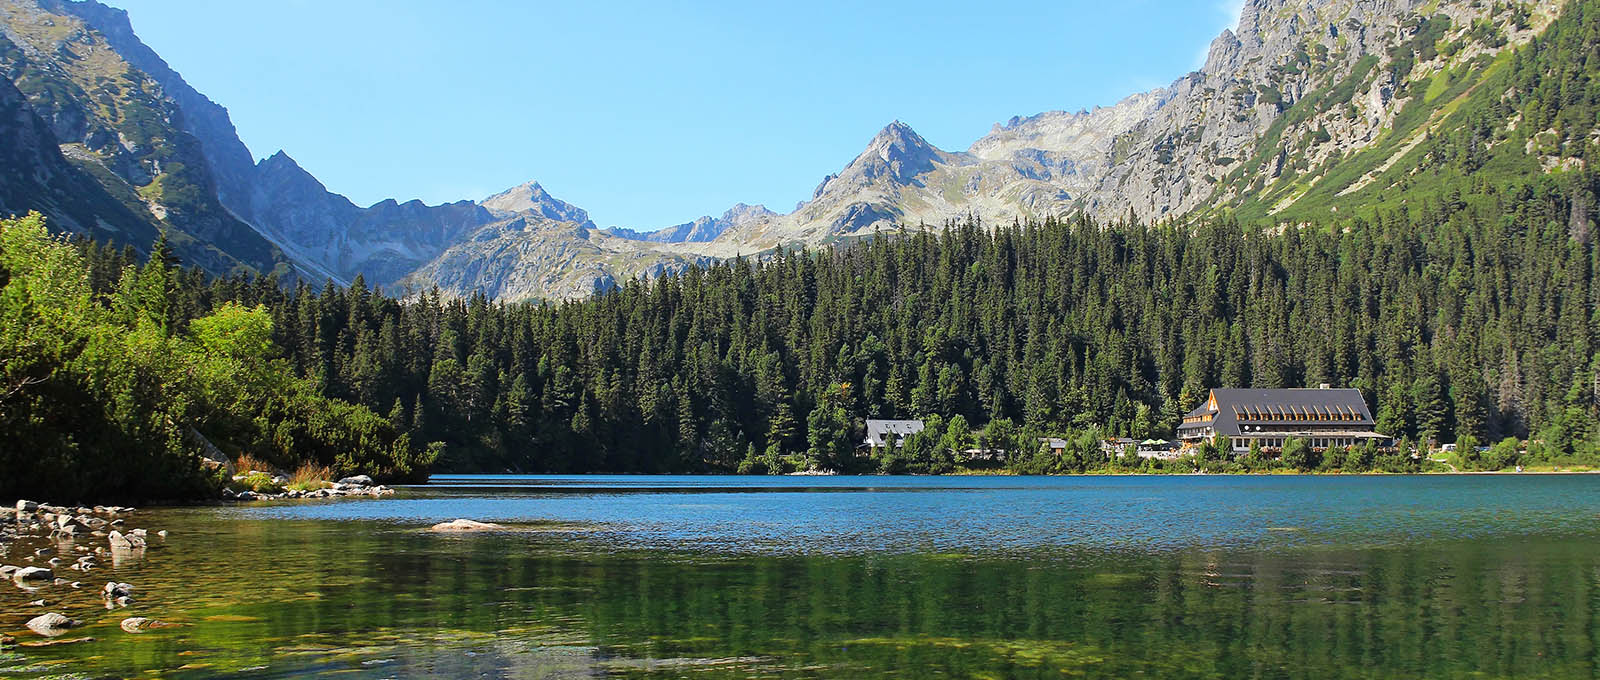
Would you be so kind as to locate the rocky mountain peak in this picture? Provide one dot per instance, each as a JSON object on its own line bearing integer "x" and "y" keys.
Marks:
{"x": 897, "y": 141}
{"x": 742, "y": 211}
{"x": 532, "y": 199}
{"x": 278, "y": 162}
{"x": 285, "y": 176}
{"x": 898, "y": 151}
{"x": 702, "y": 229}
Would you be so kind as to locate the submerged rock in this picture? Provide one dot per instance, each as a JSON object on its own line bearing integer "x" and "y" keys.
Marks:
{"x": 53, "y": 643}
{"x": 466, "y": 525}
{"x": 140, "y": 624}
{"x": 51, "y": 624}
{"x": 27, "y": 573}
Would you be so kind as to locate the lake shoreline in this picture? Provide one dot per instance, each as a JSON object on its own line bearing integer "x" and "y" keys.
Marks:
{"x": 8, "y": 509}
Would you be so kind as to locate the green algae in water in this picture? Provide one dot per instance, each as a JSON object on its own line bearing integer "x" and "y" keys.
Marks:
{"x": 392, "y": 601}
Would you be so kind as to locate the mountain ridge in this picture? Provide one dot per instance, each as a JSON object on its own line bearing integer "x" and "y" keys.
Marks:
{"x": 1296, "y": 92}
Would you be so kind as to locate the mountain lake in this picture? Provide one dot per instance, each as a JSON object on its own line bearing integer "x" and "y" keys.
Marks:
{"x": 1443, "y": 576}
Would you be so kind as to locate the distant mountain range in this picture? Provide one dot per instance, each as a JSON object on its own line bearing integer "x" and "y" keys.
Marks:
{"x": 1306, "y": 109}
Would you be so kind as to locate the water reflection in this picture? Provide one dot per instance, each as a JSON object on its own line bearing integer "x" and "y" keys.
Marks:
{"x": 1283, "y": 582}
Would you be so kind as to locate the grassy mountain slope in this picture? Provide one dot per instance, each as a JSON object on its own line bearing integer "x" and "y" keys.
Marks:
{"x": 116, "y": 124}
{"x": 1470, "y": 116}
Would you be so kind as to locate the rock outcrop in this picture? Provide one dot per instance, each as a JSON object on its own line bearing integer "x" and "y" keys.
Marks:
{"x": 138, "y": 167}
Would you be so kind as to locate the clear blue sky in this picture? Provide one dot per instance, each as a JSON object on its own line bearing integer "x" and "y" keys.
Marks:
{"x": 648, "y": 113}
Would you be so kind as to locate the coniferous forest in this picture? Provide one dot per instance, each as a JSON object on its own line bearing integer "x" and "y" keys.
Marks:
{"x": 1471, "y": 318}
{"x": 1463, "y": 317}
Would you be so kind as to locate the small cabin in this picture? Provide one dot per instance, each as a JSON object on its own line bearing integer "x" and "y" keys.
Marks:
{"x": 880, "y": 432}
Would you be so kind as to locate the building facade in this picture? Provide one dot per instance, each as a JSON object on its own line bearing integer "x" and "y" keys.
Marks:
{"x": 880, "y": 432}
{"x": 1321, "y": 416}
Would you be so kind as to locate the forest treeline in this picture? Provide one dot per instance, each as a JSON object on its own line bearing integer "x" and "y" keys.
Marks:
{"x": 113, "y": 384}
{"x": 1473, "y": 314}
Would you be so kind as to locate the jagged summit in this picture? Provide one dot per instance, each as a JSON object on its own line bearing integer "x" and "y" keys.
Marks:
{"x": 531, "y": 198}
{"x": 1290, "y": 112}
{"x": 281, "y": 163}
{"x": 702, "y": 229}
{"x": 904, "y": 153}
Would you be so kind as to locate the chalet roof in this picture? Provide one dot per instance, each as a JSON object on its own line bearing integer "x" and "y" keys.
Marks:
{"x": 876, "y": 429}
{"x": 1232, "y": 408}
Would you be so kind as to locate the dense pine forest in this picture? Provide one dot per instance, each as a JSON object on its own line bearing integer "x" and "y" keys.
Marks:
{"x": 1468, "y": 318}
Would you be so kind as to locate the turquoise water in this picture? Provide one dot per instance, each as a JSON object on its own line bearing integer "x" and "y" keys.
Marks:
{"x": 801, "y": 577}
{"x": 998, "y": 514}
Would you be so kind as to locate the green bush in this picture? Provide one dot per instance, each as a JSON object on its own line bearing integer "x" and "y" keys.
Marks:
{"x": 106, "y": 397}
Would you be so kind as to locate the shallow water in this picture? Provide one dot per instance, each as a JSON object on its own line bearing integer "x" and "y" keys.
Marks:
{"x": 828, "y": 577}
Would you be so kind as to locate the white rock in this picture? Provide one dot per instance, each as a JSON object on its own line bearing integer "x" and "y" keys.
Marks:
{"x": 465, "y": 525}
{"x": 51, "y": 624}
{"x": 27, "y": 573}
{"x": 120, "y": 541}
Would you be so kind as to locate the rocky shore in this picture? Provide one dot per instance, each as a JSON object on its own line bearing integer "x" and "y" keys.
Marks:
{"x": 50, "y": 551}
{"x": 273, "y": 487}
{"x": 73, "y": 542}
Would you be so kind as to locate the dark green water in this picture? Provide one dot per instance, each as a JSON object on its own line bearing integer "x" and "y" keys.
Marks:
{"x": 1162, "y": 577}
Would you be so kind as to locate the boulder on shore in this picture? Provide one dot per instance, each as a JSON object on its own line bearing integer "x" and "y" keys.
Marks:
{"x": 120, "y": 541}
{"x": 357, "y": 480}
{"x": 27, "y": 506}
{"x": 51, "y": 624}
{"x": 466, "y": 525}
